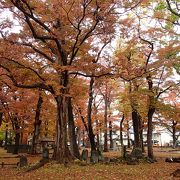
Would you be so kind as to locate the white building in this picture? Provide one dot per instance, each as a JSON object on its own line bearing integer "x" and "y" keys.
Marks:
{"x": 161, "y": 136}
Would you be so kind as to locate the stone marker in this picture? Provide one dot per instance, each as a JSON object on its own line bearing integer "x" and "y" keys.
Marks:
{"x": 106, "y": 160}
{"x": 84, "y": 155}
{"x": 23, "y": 161}
{"x": 100, "y": 148}
{"x": 114, "y": 145}
{"x": 133, "y": 162}
{"x": 45, "y": 154}
{"x": 101, "y": 157}
{"x": 94, "y": 156}
{"x": 137, "y": 152}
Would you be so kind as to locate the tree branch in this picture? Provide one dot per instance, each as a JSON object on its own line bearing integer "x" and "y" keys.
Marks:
{"x": 23, "y": 66}
{"x": 90, "y": 75}
{"x": 170, "y": 8}
{"x": 75, "y": 49}
{"x": 19, "y": 4}
{"x": 99, "y": 53}
{"x": 32, "y": 86}
{"x": 150, "y": 53}
{"x": 166, "y": 89}
{"x": 83, "y": 120}
{"x": 160, "y": 78}
{"x": 28, "y": 17}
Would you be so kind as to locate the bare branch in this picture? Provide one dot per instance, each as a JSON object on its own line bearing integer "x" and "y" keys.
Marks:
{"x": 166, "y": 89}
{"x": 150, "y": 53}
{"x": 170, "y": 8}
{"x": 160, "y": 77}
{"x": 75, "y": 49}
{"x": 99, "y": 53}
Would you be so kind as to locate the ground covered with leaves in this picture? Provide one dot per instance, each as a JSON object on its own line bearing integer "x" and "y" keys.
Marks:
{"x": 52, "y": 170}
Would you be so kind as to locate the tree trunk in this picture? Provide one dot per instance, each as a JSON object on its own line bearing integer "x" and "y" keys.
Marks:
{"x": 174, "y": 133}
{"x": 121, "y": 128}
{"x": 71, "y": 129}
{"x": 105, "y": 125}
{"x": 128, "y": 136}
{"x": 97, "y": 135}
{"x": 17, "y": 135}
{"x": 89, "y": 112}
{"x": 135, "y": 119}
{"x": 37, "y": 125}
{"x": 1, "y": 118}
{"x": 109, "y": 119}
{"x": 17, "y": 139}
{"x": 61, "y": 150}
{"x": 149, "y": 132}
{"x": 135, "y": 115}
{"x": 141, "y": 134}
{"x": 6, "y": 136}
{"x": 141, "y": 140}
{"x": 151, "y": 111}
{"x": 97, "y": 125}
{"x": 83, "y": 138}
{"x": 78, "y": 136}
{"x": 110, "y": 134}
{"x": 21, "y": 138}
{"x": 128, "y": 139}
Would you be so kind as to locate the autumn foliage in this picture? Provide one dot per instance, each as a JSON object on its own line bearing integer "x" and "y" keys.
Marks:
{"x": 67, "y": 66}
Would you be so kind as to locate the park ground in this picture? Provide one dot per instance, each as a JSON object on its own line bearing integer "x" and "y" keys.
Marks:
{"x": 159, "y": 170}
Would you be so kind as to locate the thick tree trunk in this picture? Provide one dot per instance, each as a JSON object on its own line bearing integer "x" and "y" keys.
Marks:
{"x": 149, "y": 133}
{"x": 37, "y": 125}
{"x": 89, "y": 112}
{"x": 135, "y": 115}
{"x": 135, "y": 119}
{"x": 61, "y": 150}
{"x": 17, "y": 139}
{"x": 71, "y": 129}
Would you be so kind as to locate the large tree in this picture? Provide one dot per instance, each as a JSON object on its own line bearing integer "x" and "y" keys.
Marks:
{"x": 54, "y": 39}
